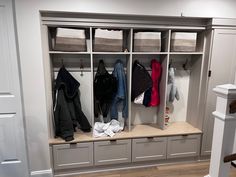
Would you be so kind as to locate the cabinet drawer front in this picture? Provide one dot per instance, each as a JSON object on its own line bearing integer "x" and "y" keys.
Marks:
{"x": 73, "y": 155}
{"x": 183, "y": 146}
{"x": 145, "y": 149}
{"x": 112, "y": 152}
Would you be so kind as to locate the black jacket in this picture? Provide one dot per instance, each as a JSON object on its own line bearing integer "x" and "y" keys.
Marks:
{"x": 105, "y": 86}
{"x": 67, "y": 109}
{"x": 141, "y": 80}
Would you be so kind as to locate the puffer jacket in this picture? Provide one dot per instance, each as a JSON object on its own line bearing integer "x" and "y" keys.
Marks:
{"x": 67, "y": 107}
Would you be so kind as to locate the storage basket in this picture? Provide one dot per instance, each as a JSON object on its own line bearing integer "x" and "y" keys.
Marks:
{"x": 72, "y": 40}
{"x": 147, "y": 42}
{"x": 108, "y": 40}
{"x": 183, "y": 42}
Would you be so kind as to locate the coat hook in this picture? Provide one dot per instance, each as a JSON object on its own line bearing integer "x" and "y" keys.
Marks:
{"x": 185, "y": 64}
{"x": 62, "y": 62}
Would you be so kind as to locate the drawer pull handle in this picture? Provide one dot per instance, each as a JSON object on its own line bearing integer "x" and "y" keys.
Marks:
{"x": 72, "y": 144}
{"x": 150, "y": 138}
{"x": 112, "y": 141}
{"x": 185, "y": 135}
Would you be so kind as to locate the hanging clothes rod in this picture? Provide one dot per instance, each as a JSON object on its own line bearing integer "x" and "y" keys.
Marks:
{"x": 84, "y": 69}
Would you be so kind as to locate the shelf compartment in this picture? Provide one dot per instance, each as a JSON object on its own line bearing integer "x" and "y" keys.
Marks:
{"x": 164, "y": 38}
{"x": 52, "y": 36}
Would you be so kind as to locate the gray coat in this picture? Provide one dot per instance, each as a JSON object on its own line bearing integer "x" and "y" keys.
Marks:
{"x": 172, "y": 91}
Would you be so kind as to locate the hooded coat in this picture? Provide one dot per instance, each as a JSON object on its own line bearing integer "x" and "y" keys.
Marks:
{"x": 67, "y": 109}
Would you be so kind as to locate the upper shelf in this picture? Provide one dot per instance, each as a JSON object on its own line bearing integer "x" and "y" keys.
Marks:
{"x": 186, "y": 53}
{"x": 111, "y": 53}
{"x": 127, "y": 53}
{"x": 62, "y": 52}
{"x": 149, "y": 53}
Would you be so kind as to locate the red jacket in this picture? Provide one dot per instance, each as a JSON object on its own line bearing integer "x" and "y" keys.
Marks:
{"x": 156, "y": 78}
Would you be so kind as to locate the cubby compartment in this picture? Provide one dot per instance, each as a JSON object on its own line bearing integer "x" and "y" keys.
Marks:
{"x": 110, "y": 60}
{"x": 151, "y": 115}
{"x": 111, "y": 40}
{"x": 79, "y": 66}
{"x": 183, "y": 88}
{"x": 69, "y": 43}
{"x": 147, "y": 40}
{"x": 183, "y": 41}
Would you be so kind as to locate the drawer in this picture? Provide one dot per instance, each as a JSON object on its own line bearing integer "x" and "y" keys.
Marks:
{"x": 72, "y": 155}
{"x": 112, "y": 152}
{"x": 145, "y": 149}
{"x": 183, "y": 146}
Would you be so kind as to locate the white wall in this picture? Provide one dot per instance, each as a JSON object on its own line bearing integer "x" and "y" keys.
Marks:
{"x": 29, "y": 37}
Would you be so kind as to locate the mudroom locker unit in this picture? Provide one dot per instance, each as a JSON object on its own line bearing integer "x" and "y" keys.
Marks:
{"x": 147, "y": 138}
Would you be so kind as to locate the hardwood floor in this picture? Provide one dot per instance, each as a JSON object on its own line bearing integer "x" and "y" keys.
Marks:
{"x": 199, "y": 169}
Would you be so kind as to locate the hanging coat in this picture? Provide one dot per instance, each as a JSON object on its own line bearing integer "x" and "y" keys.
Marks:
{"x": 141, "y": 80}
{"x": 105, "y": 86}
{"x": 172, "y": 91}
{"x": 156, "y": 78}
{"x": 120, "y": 97}
{"x": 67, "y": 109}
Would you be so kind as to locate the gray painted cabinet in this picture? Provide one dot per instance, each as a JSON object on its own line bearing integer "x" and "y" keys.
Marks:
{"x": 112, "y": 152}
{"x": 223, "y": 67}
{"x": 145, "y": 149}
{"x": 183, "y": 146}
{"x": 72, "y": 155}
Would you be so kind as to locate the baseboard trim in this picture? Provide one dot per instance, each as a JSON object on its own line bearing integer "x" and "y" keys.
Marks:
{"x": 133, "y": 165}
{"x": 42, "y": 173}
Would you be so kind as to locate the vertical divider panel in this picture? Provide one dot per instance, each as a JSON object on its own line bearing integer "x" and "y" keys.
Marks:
{"x": 163, "y": 84}
{"x": 92, "y": 74}
{"x": 129, "y": 77}
{"x": 48, "y": 78}
{"x": 196, "y": 84}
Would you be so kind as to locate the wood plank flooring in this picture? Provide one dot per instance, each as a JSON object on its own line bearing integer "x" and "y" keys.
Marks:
{"x": 199, "y": 169}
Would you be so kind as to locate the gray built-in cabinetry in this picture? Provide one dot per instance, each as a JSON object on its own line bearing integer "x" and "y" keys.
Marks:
{"x": 146, "y": 139}
{"x": 223, "y": 69}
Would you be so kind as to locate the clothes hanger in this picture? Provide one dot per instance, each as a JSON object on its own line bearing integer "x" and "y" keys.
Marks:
{"x": 62, "y": 63}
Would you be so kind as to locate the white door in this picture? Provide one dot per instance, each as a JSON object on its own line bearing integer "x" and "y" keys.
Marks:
{"x": 13, "y": 161}
{"x": 223, "y": 67}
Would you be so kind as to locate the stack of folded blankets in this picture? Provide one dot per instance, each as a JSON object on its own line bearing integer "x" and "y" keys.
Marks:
{"x": 183, "y": 42}
{"x": 72, "y": 40}
{"x": 147, "y": 42}
{"x": 108, "y": 40}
